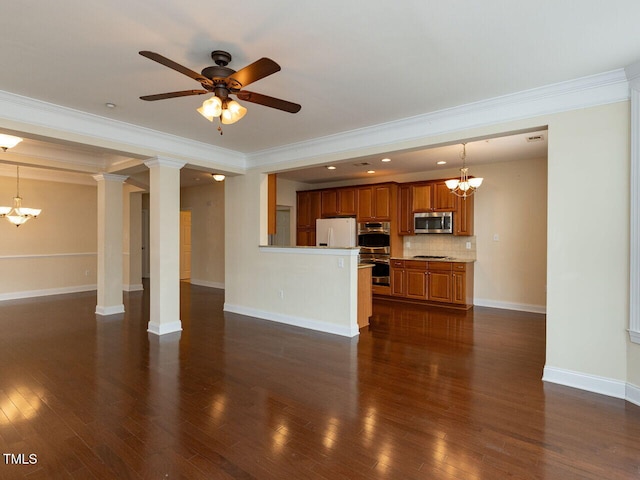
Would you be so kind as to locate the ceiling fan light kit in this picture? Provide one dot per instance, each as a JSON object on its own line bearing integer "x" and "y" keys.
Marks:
{"x": 223, "y": 81}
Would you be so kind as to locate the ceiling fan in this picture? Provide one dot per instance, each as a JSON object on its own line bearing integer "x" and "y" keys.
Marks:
{"x": 223, "y": 81}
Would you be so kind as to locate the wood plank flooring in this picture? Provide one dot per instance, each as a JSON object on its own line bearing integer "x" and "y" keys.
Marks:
{"x": 423, "y": 393}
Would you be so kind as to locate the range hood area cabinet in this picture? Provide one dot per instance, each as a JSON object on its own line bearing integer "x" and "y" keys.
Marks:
{"x": 433, "y": 197}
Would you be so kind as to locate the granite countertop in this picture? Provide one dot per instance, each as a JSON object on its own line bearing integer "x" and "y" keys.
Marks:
{"x": 444, "y": 259}
{"x": 365, "y": 265}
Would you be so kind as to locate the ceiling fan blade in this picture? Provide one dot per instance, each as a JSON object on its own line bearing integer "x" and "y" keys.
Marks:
{"x": 183, "y": 93}
{"x": 268, "y": 101}
{"x": 255, "y": 71}
{"x": 156, "y": 57}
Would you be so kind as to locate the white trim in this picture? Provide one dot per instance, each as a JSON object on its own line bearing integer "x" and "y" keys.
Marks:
{"x": 348, "y": 251}
{"x": 633, "y": 394}
{"x": 164, "y": 328}
{"x": 585, "y": 381}
{"x": 46, "y": 255}
{"x": 207, "y": 283}
{"x": 307, "y": 323}
{"x": 111, "y": 310}
{"x": 138, "y": 287}
{"x": 66, "y": 123}
{"x": 46, "y": 292}
{"x": 600, "y": 89}
{"x": 521, "y": 307}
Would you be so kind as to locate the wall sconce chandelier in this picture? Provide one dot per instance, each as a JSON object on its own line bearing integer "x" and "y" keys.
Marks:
{"x": 18, "y": 214}
{"x": 465, "y": 187}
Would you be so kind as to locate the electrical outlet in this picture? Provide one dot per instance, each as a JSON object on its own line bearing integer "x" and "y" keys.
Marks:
{"x": 340, "y": 262}
{"x": 468, "y": 245}
{"x": 281, "y": 294}
{"x": 86, "y": 273}
{"x": 496, "y": 237}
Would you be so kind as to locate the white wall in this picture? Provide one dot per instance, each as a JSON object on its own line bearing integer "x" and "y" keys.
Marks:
{"x": 316, "y": 292}
{"x": 206, "y": 203}
{"x": 286, "y": 196}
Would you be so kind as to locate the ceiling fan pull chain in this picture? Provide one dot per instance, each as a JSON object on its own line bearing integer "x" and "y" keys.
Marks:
{"x": 220, "y": 125}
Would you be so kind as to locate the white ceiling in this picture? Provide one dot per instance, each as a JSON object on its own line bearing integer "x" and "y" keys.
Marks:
{"x": 349, "y": 64}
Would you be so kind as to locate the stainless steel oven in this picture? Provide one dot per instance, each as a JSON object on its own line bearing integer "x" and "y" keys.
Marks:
{"x": 374, "y": 241}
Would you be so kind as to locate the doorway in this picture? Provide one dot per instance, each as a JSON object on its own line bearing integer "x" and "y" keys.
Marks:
{"x": 282, "y": 237}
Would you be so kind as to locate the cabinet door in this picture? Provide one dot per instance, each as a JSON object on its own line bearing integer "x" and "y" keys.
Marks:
{"x": 306, "y": 237}
{"x": 459, "y": 287}
{"x": 398, "y": 282}
{"x": 329, "y": 203}
{"x": 382, "y": 202}
{"x": 463, "y": 217}
{"x": 416, "y": 284}
{"x": 443, "y": 199}
{"x": 421, "y": 198}
{"x": 347, "y": 201}
{"x": 440, "y": 286}
{"x": 303, "y": 210}
{"x": 315, "y": 208}
{"x": 365, "y": 204}
{"x": 405, "y": 215}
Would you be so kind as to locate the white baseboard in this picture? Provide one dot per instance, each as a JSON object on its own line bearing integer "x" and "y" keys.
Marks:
{"x": 133, "y": 287}
{"x": 633, "y": 394}
{"x": 521, "y": 307}
{"x": 46, "y": 292}
{"x": 584, "y": 381}
{"x": 111, "y": 310}
{"x": 164, "y": 328}
{"x": 295, "y": 321}
{"x": 207, "y": 283}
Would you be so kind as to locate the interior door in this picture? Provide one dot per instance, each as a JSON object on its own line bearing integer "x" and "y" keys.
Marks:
{"x": 185, "y": 244}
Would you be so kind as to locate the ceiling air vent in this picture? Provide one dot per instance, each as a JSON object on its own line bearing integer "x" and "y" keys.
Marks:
{"x": 363, "y": 164}
{"x": 535, "y": 138}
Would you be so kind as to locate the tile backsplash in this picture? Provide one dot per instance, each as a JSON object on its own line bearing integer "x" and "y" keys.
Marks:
{"x": 448, "y": 245}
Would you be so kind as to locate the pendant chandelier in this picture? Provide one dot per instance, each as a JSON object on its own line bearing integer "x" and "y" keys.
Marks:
{"x": 18, "y": 214}
{"x": 465, "y": 186}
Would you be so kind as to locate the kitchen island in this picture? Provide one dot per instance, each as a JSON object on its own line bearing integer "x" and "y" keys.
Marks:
{"x": 365, "y": 295}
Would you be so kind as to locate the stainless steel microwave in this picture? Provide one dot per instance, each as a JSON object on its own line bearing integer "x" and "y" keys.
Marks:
{"x": 433, "y": 222}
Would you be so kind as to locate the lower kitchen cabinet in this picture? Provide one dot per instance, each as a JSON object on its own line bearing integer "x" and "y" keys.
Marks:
{"x": 436, "y": 283}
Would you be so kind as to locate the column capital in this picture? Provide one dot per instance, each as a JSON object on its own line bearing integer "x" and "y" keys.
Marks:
{"x": 164, "y": 162}
{"x": 109, "y": 177}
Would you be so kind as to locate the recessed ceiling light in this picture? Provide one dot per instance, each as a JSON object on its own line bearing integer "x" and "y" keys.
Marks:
{"x": 110, "y": 105}
{"x": 441, "y": 162}
{"x": 330, "y": 167}
{"x": 385, "y": 160}
{"x": 371, "y": 171}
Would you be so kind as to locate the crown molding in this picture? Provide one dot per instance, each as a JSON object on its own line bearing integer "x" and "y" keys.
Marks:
{"x": 42, "y": 118}
{"x": 600, "y": 89}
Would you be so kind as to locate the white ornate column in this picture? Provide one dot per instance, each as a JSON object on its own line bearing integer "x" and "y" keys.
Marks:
{"x": 633, "y": 75}
{"x": 164, "y": 229}
{"x": 109, "y": 244}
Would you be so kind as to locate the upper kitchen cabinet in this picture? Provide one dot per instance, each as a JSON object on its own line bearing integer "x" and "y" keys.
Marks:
{"x": 339, "y": 202}
{"x": 432, "y": 197}
{"x": 405, "y": 214}
{"x": 375, "y": 202}
{"x": 463, "y": 216}
{"x": 308, "y": 211}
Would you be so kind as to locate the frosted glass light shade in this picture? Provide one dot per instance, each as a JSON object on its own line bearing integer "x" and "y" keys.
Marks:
{"x": 233, "y": 112}
{"x": 211, "y": 108}
{"x": 452, "y": 184}
{"x": 218, "y": 177}
{"x": 475, "y": 182}
{"x": 8, "y": 141}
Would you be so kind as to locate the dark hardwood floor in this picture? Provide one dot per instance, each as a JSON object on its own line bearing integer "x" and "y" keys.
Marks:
{"x": 423, "y": 393}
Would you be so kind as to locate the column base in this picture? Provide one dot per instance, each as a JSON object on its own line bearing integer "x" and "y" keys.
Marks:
{"x": 111, "y": 310}
{"x": 164, "y": 328}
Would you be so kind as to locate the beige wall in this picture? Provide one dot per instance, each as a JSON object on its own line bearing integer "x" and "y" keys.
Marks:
{"x": 56, "y": 252}
{"x": 587, "y": 266}
{"x": 206, "y": 203}
{"x": 287, "y": 197}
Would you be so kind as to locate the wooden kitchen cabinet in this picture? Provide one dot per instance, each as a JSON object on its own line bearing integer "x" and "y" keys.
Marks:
{"x": 435, "y": 283}
{"x": 405, "y": 215}
{"x": 463, "y": 216}
{"x": 374, "y": 203}
{"x": 440, "y": 282}
{"x": 307, "y": 212}
{"x": 432, "y": 197}
{"x": 397, "y": 274}
{"x": 338, "y": 202}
